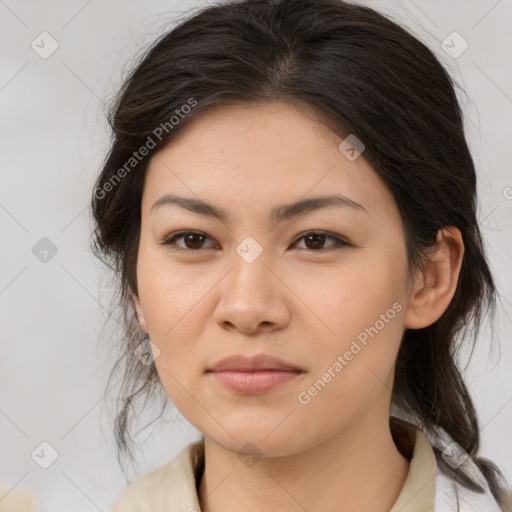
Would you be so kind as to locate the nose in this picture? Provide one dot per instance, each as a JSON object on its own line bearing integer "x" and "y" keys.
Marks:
{"x": 253, "y": 297}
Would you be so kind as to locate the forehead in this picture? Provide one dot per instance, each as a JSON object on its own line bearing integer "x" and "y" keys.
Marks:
{"x": 263, "y": 154}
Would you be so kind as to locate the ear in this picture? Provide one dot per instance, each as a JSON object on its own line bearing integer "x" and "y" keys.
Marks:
{"x": 434, "y": 289}
{"x": 140, "y": 314}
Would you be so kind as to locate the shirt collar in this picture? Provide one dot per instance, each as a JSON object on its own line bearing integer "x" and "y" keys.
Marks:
{"x": 419, "y": 490}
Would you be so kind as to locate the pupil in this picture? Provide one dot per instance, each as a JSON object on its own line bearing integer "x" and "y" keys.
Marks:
{"x": 188, "y": 238}
{"x": 316, "y": 237}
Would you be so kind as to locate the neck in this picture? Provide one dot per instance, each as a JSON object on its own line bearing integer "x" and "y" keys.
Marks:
{"x": 358, "y": 468}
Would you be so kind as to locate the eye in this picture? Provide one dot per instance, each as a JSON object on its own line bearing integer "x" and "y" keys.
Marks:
{"x": 194, "y": 240}
{"x": 316, "y": 239}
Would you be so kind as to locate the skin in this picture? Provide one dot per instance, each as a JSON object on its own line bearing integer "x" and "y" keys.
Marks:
{"x": 303, "y": 306}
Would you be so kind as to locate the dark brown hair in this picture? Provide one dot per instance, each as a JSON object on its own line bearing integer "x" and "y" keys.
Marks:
{"x": 362, "y": 74}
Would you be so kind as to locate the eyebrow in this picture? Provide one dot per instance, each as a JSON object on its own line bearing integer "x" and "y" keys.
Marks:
{"x": 277, "y": 214}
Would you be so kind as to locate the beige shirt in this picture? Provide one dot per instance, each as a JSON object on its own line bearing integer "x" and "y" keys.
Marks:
{"x": 16, "y": 500}
{"x": 173, "y": 486}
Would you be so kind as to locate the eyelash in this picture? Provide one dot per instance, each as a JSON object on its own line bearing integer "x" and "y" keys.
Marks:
{"x": 169, "y": 241}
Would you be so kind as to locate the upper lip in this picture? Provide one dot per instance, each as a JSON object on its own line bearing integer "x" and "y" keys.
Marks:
{"x": 252, "y": 363}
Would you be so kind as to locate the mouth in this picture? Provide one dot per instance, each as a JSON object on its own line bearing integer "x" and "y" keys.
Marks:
{"x": 259, "y": 362}
{"x": 254, "y": 374}
{"x": 255, "y": 381}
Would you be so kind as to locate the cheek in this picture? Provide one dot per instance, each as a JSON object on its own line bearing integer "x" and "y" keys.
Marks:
{"x": 174, "y": 326}
{"x": 172, "y": 304}
{"x": 347, "y": 298}
{"x": 169, "y": 293}
{"x": 362, "y": 317}
{"x": 349, "y": 377}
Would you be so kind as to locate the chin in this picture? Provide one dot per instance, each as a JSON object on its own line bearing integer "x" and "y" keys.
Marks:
{"x": 256, "y": 443}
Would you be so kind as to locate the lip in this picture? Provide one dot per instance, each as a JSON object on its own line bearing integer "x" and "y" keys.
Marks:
{"x": 241, "y": 363}
{"x": 253, "y": 382}
{"x": 254, "y": 374}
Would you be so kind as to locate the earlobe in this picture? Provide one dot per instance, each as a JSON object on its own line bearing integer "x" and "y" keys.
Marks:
{"x": 140, "y": 314}
{"x": 434, "y": 289}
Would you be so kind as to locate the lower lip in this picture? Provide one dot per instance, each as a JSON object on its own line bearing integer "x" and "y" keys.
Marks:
{"x": 255, "y": 382}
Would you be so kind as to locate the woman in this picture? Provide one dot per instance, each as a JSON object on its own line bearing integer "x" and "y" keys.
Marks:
{"x": 289, "y": 204}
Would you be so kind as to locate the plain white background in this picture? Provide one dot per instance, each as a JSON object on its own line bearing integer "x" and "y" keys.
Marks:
{"x": 53, "y": 138}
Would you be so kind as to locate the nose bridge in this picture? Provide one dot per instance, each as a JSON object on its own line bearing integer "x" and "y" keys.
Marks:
{"x": 251, "y": 262}
{"x": 251, "y": 294}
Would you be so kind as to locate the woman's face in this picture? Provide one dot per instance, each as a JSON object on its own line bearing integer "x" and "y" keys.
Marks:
{"x": 333, "y": 306}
